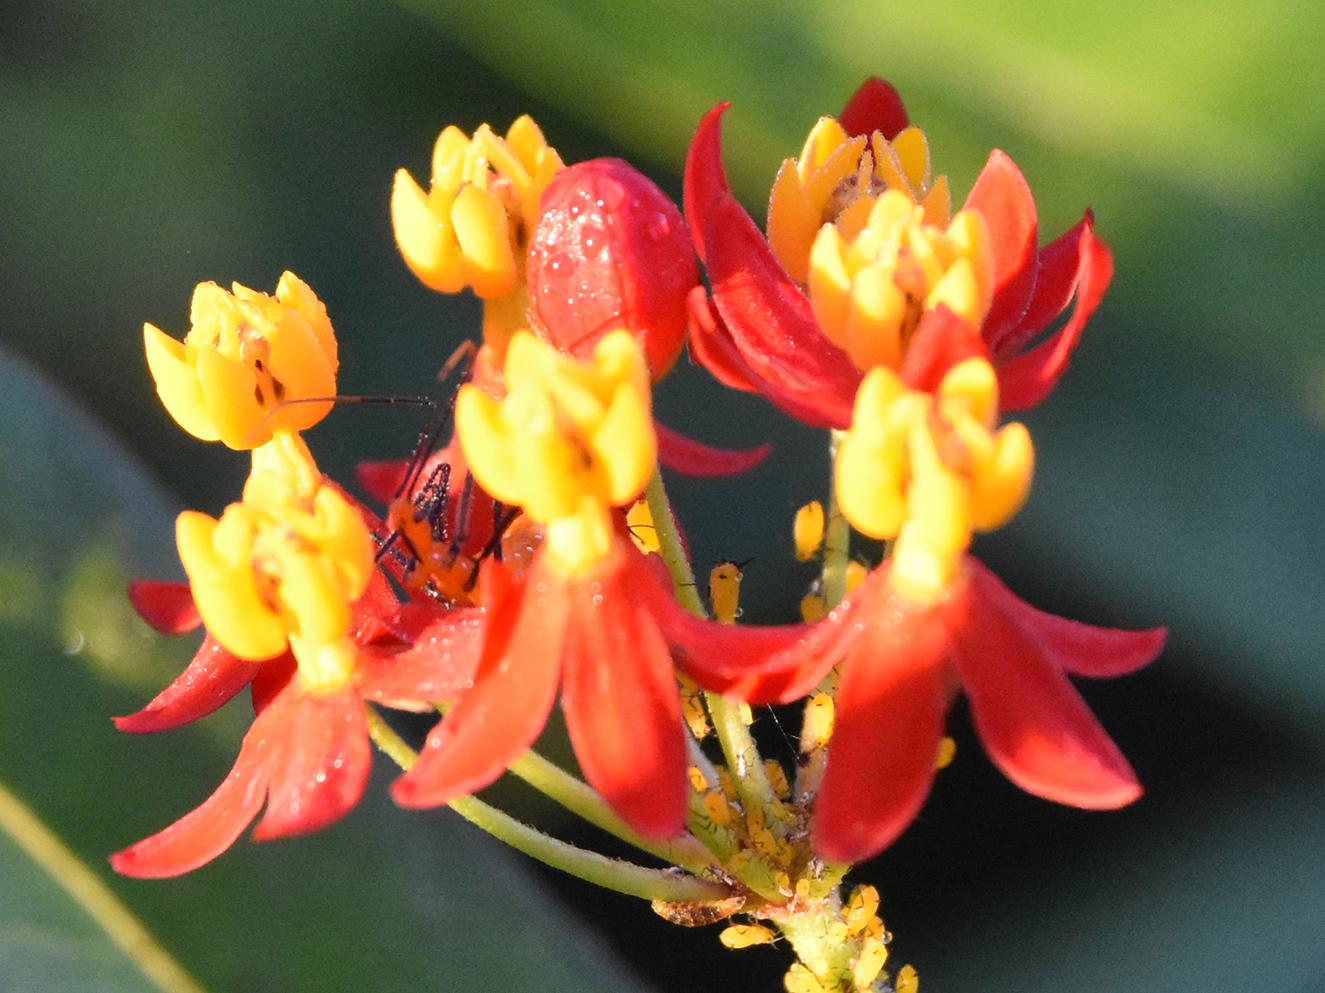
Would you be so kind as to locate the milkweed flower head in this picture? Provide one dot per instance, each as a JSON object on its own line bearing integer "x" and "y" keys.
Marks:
{"x": 248, "y": 363}
{"x": 569, "y": 442}
{"x": 534, "y": 557}
{"x": 471, "y": 228}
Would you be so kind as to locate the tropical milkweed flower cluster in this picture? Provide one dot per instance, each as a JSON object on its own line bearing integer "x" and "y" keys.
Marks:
{"x": 533, "y": 556}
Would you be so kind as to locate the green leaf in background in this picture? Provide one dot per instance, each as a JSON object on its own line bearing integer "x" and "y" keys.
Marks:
{"x": 383, "y": 900}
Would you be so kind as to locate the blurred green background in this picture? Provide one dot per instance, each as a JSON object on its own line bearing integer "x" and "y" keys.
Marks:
{"x": 147, "y": 146}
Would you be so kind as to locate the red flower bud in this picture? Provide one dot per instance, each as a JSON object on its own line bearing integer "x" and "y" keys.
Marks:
{"x": 610, "y": 250}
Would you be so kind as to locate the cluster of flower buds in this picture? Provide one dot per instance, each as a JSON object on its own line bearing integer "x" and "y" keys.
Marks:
{"x": 535, "y": 556}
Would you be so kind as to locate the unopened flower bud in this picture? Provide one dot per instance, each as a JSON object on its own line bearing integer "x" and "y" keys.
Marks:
{"x": 610, "y": 250}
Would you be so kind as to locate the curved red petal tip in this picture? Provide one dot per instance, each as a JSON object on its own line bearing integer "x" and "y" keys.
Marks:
{"x": 889, "y": 722}
{"x": 875, "y": 106}
{"x": 372, "y": 616}
{"x": 1003, "y": 197}
{"x": 1032, "y": 722}
{"x": 711, "y": 346}
{"x": 322, "y": 762}
{"x": 168, "y": 607}
{"x": 381, "y": 480}
{"x": 211, "y": 679}
{"x": 623, "y": 713}
{"x": 498, "y": 719}
{"x": 693, "y": 458}
{"x": 1026, "y": 380}
{"x": 212, "y": 827}
{"x": 1076, "y": 648}
{"x": 705, "y": 178}
{"x": 941, "y": 341}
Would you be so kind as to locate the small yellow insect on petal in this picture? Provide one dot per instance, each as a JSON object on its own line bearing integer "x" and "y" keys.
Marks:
{"x": 746, "y": 935}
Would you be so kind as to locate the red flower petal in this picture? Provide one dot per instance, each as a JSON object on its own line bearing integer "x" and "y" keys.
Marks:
{"x": 1027, "y": 379}
{"x": 875, "y": 106}
{"x": 766, "y": 314}
{"x": 775, "y": 664}
{"x": 1081, "y": 649}
{"x": 168, "y": 607}
{"x": 208, "y": 830}
{"x": 890, "y": 705}
{"x": 373, "y": 614}
{"x": 438, "y": 664}
{"x": 712, "y": 347}
{"x": 499, "y": 718}
{"x": 1003, "y": 197}
{"x": 1057, "y": 270}
{"x": 321, "y": 762}
{"x": 941, "y": 340}
{"x": 693, "y": 458}
{"x": 1033, "y": 724}
{"x": 209, "y": 681}
{"x": 623, "y": 711}
{"x": 381, "y": 480}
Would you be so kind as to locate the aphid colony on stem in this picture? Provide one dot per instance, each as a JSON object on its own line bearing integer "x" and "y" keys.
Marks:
{"x": 534, "y": 556}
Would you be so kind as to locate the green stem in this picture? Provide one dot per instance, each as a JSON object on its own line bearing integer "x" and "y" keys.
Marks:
{"x": 585, "y": 802}
{"x": 611, "y": 874}
{"x": 738, "y": 747}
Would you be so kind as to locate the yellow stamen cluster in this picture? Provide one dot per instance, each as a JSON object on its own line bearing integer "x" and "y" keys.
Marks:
{"x": 471, "y": 228}
{"x": 837, "y": 179}
{"x": 248, "y": 363}
{"x": 282, "y": 566}
{"x": 570, "y": 441}
{"x": 929, "y": 469}
{"x": 871, "y": 280}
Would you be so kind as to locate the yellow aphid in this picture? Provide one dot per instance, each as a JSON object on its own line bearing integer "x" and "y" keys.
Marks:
{"x": 802, "y": 889}
{"x": 808, "y": 530}
{"x": 697, "y": 781}
{"x": 746, "y": 935}
{"x": 726, "y": 782}
{"x": 863, "y": 905}
{"x": 818, "y": 726}
{"x": 783, "y": 883}
{"x": 869, "y": 963}
{"x": 639, "y": 520}
{"x": 856, "y": 573}
{"x": 717, "y": 808}
{"x": 947, "y": 752}
{"x": 777, "y": 777}
{"x": 799, "y": 979}
{"x": 812, "y": 607}
{"x": 692, "y": 707}
{"x": 725, "y": 592}
{"x": 907, "y": 981}
{"x": 744, "y": 712}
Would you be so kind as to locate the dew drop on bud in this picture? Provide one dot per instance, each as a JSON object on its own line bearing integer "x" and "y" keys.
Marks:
{"x": 610, "y": 250}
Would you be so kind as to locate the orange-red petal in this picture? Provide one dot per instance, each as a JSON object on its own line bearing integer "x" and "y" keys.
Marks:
{"x": 210, "y": 680}
{"x": 875, "y": 106}
{"x": 1034, "y": 725}
{"x": 1003, "y": 198}
{"x": 619, "y": 694}
{"x": 693, "y": 458}
{"x": 889, "y": 720}
{"x": 168, "y": 607}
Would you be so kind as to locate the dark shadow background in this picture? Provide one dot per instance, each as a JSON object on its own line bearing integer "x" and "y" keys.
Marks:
{"x": 1182, "y": 465}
